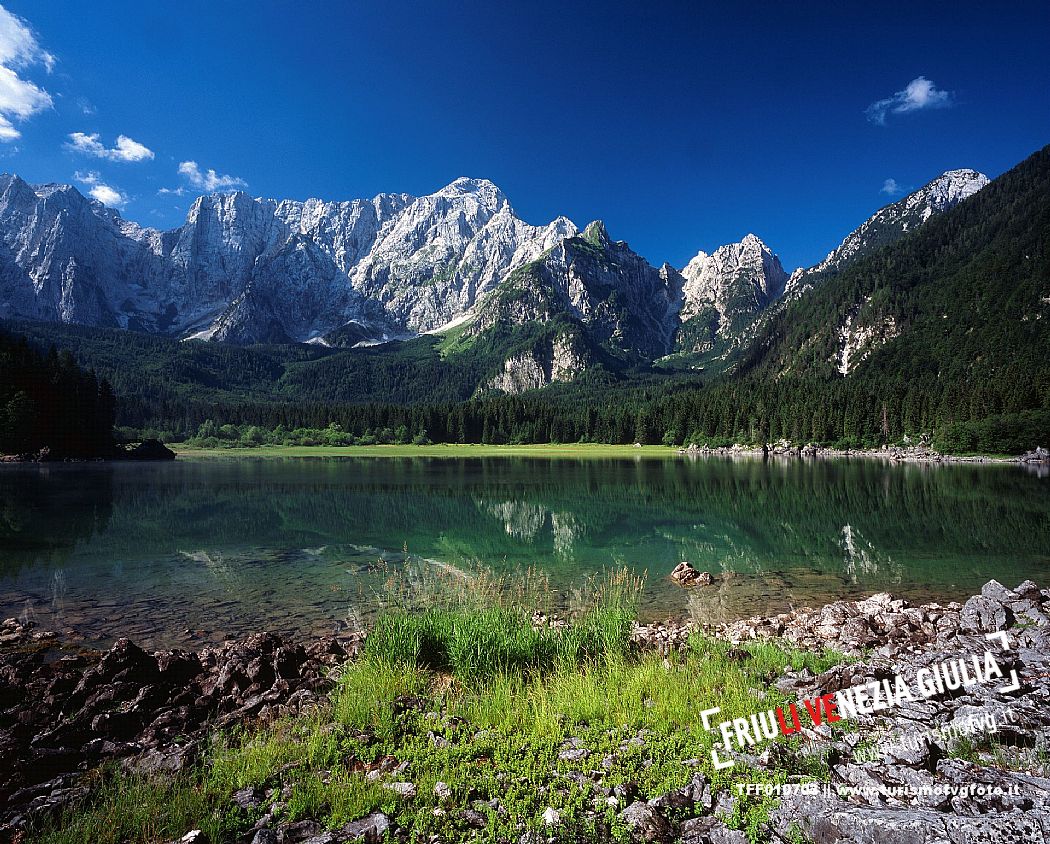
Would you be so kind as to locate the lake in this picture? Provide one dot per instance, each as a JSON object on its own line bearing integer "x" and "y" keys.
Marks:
{"x": 178, "y": 554}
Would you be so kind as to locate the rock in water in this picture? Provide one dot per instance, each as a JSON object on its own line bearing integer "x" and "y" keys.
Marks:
{"x": 685, "y": 575}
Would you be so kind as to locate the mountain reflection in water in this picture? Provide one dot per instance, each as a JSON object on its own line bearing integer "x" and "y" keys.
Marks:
{"x": 200, "y": 550}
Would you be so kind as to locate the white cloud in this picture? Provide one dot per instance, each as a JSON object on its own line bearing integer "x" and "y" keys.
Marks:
{"x": 208, "y": 180}
{"x": 919, "y": 94}
{"x": 19, "y": 98}
{"x": 179, "y": 191}
{"x": 129, "y": 150}
{"x": 106, "y": 194}
{"x": 125, "y": 150}
{"x": 891, "y": 188}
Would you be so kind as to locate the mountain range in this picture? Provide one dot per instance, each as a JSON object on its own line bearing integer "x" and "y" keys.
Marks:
{"x": 550, "y": 300}
{"x": 931, "y": 319}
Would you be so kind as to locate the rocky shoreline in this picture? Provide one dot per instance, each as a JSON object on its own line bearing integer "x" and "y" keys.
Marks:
{"x": 902, "y": 454}
{"x": 64, "y": 711}
{"x": 906, "y": 751}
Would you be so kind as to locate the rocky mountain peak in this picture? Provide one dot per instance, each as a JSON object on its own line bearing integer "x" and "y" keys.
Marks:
{"x": 750, "y": 254}
{"x": 892, "y": 222}
{"x": 596, "y": 233}
{"x": 484, "y": 191}
{"x": 13, "y": 182}
{"x": 948, "y": 189}
{"x": 607, "y": 295}
{"x": 246, "y": 269}
{"x": 204, "y": 205}
{"x": 729, "y": 287}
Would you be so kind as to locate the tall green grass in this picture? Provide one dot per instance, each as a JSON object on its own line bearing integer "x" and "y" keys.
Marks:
{"x": 476, "y": 643}
{"x": 476, "y": 625}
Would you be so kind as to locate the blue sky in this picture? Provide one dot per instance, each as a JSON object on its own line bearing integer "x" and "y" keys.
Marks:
{"x": 683, "y": 126}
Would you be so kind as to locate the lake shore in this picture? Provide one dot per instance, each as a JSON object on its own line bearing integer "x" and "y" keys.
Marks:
{"x": 566, "y": 450}
{"x": 354, "y": 739}
{"x": 452, "y": 450}
{"x": 600, "y": 450}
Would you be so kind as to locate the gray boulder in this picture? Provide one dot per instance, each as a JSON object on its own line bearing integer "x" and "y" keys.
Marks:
{"x": 646, "y": 823}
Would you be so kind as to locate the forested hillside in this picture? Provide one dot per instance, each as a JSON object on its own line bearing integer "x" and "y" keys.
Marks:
{"x": 47, "y": 401}
{"x": 965, "y": 298}
{"x": 171, "y": 384}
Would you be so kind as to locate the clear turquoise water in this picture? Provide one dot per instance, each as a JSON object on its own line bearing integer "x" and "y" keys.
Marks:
{"x": 201, "y": 550}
